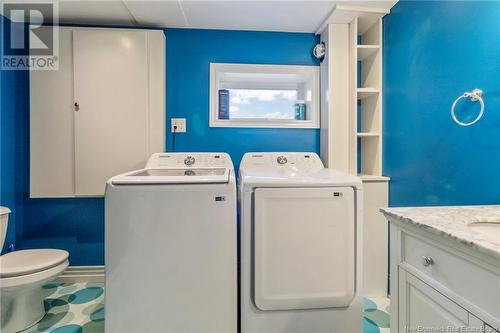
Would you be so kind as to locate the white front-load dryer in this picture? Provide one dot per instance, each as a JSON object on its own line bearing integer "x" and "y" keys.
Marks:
{"x": 300, "y": 247}
{"x": 170, "y": 235}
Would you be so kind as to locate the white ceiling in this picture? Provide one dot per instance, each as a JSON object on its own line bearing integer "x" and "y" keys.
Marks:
{"x": 261, "y": 15}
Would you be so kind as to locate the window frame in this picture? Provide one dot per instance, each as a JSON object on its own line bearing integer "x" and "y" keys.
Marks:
{"x": 218, "y": 69}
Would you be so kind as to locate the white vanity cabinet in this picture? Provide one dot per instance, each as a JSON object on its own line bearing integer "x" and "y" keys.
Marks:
{"x": 102, "y": 113}
{"x": 440, "y": 283}
{"x": 422, "y": 306}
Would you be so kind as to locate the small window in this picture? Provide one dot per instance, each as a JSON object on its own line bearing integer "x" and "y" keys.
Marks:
{"x": 264, "y": 96}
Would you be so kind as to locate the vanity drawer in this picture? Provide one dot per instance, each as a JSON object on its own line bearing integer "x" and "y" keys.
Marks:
{"x": 473, "y": 282}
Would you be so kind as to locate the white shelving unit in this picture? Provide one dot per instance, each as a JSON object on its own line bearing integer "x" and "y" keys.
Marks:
{"x": 366, "y": 94}
{"x": 351, "y": 122}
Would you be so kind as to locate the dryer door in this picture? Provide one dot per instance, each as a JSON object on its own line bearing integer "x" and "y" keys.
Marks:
{"x": 304, "y": 248}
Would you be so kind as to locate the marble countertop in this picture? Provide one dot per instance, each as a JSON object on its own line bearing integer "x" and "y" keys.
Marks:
{"x": 452, "y": 222}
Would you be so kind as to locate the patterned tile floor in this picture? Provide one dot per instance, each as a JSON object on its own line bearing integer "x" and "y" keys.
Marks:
{"x": 72, "y": 308}
{"x": 376, "y": 315}
{"x": 79, "y": 308}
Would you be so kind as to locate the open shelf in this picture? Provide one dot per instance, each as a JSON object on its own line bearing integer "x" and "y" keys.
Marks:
{"x": 365, "y": 51}
{"x": 368, "y": 30}
{"x": 367, "y": 134}
{"x": 366, "y": 105}
{"x": 368, "y": 162}
{"x": 363, "y": 93}
{"x": 366, "y": 23}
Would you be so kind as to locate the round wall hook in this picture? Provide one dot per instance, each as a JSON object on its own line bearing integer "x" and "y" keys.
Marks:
{"x": 475, "y": 94}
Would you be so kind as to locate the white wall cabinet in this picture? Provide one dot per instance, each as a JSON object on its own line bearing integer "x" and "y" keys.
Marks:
{"x": 100, "y": 114}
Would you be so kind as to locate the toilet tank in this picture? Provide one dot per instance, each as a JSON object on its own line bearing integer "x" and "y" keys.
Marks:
{"x": 4, "y": 220}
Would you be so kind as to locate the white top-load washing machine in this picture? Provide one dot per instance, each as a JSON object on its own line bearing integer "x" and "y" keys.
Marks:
{"x": 171, "y": 248}
{"x": 300, "y": 245}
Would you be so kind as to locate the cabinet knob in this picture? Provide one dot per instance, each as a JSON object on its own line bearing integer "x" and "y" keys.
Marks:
{"x": 77, "y": 106}
{"x": 427, "y": 261}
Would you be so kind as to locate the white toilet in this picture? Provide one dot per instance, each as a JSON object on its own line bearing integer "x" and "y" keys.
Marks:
{"x": 22, "y": 274}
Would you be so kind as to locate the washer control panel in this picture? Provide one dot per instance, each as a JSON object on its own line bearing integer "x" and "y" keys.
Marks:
{"x": 281, "y": 159}
{"x": 189, "y": 160}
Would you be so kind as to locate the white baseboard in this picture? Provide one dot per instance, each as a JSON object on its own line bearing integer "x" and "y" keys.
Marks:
{"x": 74, "y": 274}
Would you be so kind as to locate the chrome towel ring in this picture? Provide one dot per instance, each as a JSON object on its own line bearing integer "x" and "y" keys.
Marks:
{"x": 474, "y": 95}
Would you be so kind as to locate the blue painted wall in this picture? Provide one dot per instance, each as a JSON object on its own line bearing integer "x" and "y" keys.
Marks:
{"x": 77, "y": 225}
{"x": 433, "y": 52}
{"x": 189, "y": 54}
{"x": 12, "y": 103}
{"x": 7, "y": 141}
{"x": 8, "y": 91}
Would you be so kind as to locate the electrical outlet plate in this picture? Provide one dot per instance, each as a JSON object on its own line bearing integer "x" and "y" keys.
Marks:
{"x": 180, "y": 123}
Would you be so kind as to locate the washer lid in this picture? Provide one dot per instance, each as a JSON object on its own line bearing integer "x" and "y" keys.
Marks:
{"x": 173, "y": 176}
{"x": 30, "y": 261}
{"x": 180, "y": 168}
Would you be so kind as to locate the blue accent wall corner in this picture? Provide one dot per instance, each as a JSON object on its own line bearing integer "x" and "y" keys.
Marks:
{"x": 434, "y": 51}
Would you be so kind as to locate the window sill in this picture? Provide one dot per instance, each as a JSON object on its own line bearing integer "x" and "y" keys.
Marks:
{"x": 265, "y": 123}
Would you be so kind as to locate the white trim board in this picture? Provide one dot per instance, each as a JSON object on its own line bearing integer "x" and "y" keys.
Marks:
{"x": 74, "y": 274}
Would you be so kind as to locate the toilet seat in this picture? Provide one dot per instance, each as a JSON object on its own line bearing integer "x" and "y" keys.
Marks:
{"x": 37, "y": 278}
{"x": 26, "y": 262}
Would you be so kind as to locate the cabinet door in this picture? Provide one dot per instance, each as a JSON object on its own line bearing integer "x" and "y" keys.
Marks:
{"x": 51, "y": 126}
{"x": 111, "y": 89}
{"x": 375, "y": 239}
{"x": 421, "y": 306}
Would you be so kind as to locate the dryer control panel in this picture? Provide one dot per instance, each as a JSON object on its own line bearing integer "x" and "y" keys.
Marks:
{"x": 278, "y": 161}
